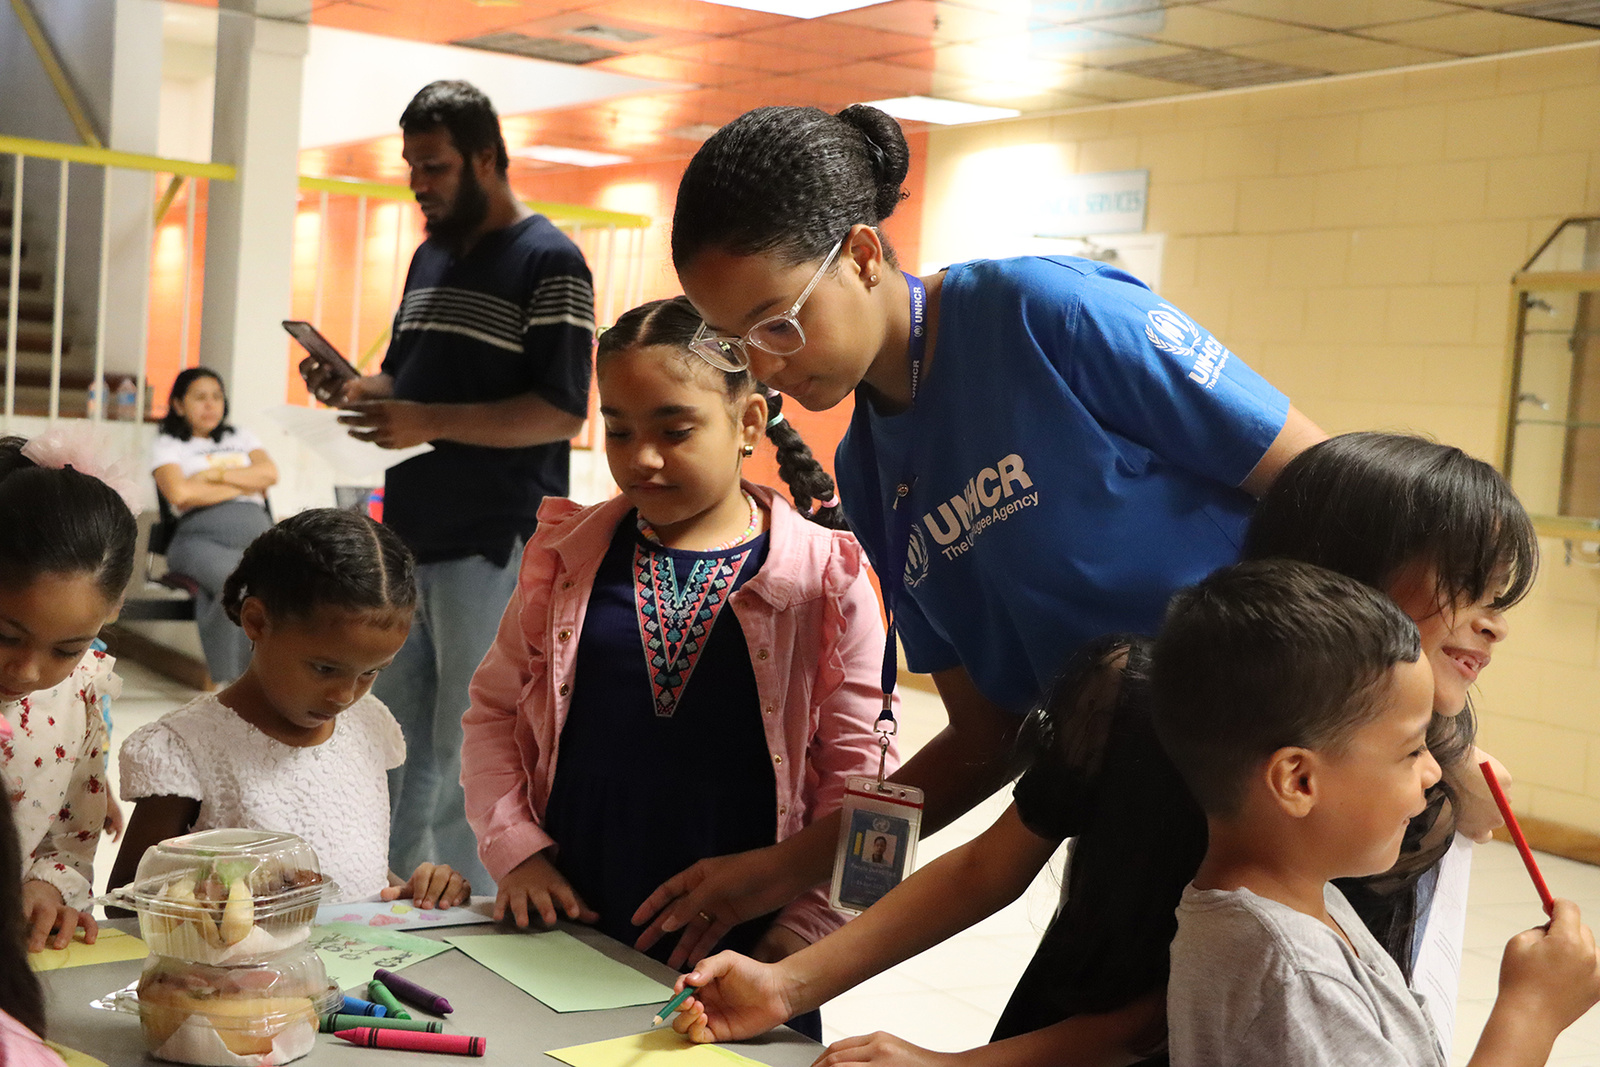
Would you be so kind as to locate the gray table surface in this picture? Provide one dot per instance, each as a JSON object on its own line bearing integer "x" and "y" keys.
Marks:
{"x": 518, "y": 1028}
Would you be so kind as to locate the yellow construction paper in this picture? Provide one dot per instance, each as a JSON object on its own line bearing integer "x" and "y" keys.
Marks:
{"x": 111, "y": 946}
{"x": 654, "y": 1048}
{"x": 73, "y": 1058}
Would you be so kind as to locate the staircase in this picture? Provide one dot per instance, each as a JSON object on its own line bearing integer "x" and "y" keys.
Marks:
{"x": 35, "y": 310}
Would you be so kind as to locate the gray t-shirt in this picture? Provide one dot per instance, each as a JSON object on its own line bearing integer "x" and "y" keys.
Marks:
{"x": 1256, "y": 982}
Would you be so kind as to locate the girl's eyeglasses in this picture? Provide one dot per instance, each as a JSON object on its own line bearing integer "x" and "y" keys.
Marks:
{"x": 778, "y": 335}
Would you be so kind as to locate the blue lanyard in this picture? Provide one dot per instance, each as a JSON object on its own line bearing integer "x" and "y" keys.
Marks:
{"x": 897, "y": 523}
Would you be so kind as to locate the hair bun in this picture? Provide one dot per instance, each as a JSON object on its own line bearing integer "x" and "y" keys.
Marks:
{"x": 887, "y": 153}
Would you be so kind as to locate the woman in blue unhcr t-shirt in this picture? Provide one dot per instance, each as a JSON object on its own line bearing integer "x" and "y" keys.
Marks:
{"x": 1076, "y": 449}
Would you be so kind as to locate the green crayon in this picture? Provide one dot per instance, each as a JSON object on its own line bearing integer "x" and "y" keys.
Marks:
{"x": 332, "y": 1024}
{"x": 380, "y": 995}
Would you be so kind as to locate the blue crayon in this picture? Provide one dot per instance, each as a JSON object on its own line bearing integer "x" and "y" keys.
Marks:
{"x": 357, "y": 1006}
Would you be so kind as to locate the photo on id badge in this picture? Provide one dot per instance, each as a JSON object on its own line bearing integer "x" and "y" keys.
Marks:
{"x": 874, "y": 863}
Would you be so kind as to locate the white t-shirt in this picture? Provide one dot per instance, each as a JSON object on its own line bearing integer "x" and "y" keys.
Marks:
{"x": 202, "y": 453}
{"x": 334, "y": 795}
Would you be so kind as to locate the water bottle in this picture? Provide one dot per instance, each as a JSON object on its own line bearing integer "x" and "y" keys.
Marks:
{"x": 91, "y": 405}
{"x": 127, "y": 400}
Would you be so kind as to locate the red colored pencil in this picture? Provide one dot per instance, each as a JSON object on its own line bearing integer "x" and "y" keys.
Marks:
{"x": 458, "y": 1044}
{"x": 1517, "y": 838}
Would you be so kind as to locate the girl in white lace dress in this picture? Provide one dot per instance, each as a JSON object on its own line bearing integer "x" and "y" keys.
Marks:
{"x": 297, "y": 743}
{"x": 66, "y": 552}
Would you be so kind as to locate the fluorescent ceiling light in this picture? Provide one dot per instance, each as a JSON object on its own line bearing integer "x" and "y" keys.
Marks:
{"x": 800, "y": 9}
{"x": 941, "y": 112}
{"x": 575, "y": 157}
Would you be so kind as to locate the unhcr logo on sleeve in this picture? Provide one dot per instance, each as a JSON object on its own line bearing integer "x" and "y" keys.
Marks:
{"x": 1170, "y": 330}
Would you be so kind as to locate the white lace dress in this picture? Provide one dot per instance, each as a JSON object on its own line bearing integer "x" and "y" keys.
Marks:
{"x": 55, "y": 770}
{"x": 335, "y": 795}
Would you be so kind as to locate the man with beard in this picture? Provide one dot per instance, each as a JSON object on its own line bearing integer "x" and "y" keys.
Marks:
{"x": 489, "y": 361}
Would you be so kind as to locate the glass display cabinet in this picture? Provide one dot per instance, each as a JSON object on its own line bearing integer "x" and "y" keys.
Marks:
{"x": 1552, "y": 440}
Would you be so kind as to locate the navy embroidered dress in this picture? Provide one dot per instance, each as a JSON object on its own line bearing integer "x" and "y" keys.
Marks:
{"x": 663, "y": 759}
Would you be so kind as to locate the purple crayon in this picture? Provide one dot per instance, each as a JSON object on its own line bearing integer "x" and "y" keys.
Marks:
{"x": 413, "y": 994}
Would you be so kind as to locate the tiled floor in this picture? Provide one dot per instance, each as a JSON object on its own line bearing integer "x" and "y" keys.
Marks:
{"x": 949, "y": 997}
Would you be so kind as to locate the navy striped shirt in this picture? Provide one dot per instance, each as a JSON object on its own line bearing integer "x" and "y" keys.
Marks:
{"x": 515, "y": 315}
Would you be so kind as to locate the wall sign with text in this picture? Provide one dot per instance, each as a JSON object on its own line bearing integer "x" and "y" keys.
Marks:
{"x": 1081, "y": 204}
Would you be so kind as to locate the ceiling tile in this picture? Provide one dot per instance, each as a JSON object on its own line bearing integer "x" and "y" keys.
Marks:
{"x": 1120, "y": 85}
{"x": 1340, "y": 54}
{"x": 1204, "y": 27}
{"x": 891, "y": 79}
{"x": 1481, "y": 32}
{"x": 1217, "y": 70}
{"x": 837, "y": 39}
{"x": 750, "y": 55}
{"x": 652, "y": 36}
{"x": 981, "y": 63}
{"x": 1336, "y": 14}
{"x": 692, "y": 15}
{"x": 933, "y": 21}
{"x": 1024, "y": 99}
{"x": 672, "y": 68}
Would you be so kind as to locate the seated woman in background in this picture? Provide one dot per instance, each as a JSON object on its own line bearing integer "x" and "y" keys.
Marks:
{"x": 215, "y": 478}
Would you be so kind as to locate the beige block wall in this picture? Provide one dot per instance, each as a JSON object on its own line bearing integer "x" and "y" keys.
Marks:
{"x": 1354, "y": 241}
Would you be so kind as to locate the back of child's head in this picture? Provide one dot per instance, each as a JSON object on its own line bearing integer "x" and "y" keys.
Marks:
{"x": 21, "y": 995}
{"x": 673, "y": 324}
{"x": 325, "y": 558}
{"x": 59, "y": 520}
{"x": 1369, "y": 505}
{"x": 1266, "y": 655}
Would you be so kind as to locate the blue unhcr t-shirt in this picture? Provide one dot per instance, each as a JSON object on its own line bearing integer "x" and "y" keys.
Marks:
{"x": 1076, "y": 448}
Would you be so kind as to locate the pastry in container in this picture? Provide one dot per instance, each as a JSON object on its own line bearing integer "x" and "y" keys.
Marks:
{"x": 226, "y": 896}
{"x": 241, "y": 1016}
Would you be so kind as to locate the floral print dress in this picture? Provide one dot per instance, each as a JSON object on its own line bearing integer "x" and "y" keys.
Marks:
{"x": 54, "y": 764}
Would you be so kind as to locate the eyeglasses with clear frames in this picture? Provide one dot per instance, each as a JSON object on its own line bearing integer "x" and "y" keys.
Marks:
{"x": 778, "y": 335}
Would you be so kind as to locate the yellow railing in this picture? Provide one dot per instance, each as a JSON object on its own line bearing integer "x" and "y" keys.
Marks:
{"x": 618, "y": 267}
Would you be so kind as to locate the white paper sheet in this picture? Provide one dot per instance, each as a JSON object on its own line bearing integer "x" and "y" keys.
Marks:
{"x": 320, "y": 430}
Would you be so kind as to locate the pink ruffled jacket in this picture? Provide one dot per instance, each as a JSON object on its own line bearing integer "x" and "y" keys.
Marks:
{"x": 810, "y": 618}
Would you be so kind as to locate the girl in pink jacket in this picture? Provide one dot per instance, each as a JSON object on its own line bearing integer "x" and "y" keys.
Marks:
{"x": 687, "y": 670}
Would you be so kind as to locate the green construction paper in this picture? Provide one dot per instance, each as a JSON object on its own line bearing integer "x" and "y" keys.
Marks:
{"x": 562, "y": 972}
{"x": 351, "y": 951}
{"x": 654, "y": 1048}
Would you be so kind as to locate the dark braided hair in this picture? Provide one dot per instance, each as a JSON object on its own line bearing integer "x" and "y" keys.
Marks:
{"x": 61, "y": 521}
{"x": 790, "y": 181}
{"x": 673, "y": 324}
{"x": 21, "y": 995}
{"x": 325, "y": 557}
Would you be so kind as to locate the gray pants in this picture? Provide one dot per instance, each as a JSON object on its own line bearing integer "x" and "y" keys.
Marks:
{"x": 207, "y": 548}
{"x": 459, "y": 604}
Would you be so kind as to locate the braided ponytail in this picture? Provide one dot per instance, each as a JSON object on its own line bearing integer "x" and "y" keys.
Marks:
{"x": 814, "y": 493}
{"x": 324, "y": 557}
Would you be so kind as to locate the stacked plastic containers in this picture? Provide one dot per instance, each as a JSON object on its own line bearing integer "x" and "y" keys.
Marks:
{"x": 230, "y": 980}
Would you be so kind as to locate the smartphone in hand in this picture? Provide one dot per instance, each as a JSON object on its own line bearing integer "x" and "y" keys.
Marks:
{"x": 325, "y": 371}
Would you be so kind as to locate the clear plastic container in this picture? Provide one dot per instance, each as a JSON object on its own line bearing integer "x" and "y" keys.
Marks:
{"x": 226, "y": 896}
{"x": 234, "y": 1016}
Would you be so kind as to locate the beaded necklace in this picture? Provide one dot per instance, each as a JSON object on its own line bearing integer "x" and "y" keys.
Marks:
{"x": 754, "y": 527}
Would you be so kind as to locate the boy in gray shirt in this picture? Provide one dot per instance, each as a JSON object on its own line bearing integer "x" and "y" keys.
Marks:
{"x": 1295, "y": 703}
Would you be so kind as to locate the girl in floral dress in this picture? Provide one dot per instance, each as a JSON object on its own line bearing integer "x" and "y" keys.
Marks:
{"x": 66, "y": 553}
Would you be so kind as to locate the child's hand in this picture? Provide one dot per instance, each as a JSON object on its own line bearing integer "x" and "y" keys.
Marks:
{"x": 710, "y": 898}
{"x": 735, "y": 998}
{"x": 1551, "y": 972}
{"x": 535, "y": 889}
{"x": 1479, "y": 816}
{"x": 432, "y": 885}
{"x": 883, "y": 1050}
{"x": 44, "y": 912}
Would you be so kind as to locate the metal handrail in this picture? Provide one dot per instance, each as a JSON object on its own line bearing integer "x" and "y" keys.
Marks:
{"x": 109, "y": 157}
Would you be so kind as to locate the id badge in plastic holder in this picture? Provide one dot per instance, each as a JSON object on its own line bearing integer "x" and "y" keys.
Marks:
{"x": 877, "y": 841}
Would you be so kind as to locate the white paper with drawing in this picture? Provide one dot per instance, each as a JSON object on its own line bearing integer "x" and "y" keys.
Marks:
{"x": 320, "y": 430}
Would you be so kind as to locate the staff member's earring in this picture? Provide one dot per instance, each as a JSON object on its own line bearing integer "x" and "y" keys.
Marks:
{"x": 747, "y": 451}
{"x": 872, "y": 279}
